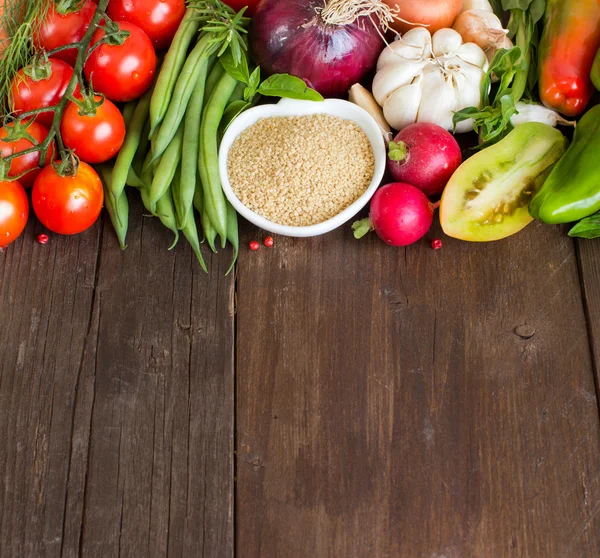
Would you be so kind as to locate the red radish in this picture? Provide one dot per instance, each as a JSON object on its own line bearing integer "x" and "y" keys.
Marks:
{"x": 400, "y": 215}
{"x": 424, "y": 155}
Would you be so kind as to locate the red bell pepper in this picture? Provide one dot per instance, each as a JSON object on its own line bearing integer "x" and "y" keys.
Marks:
{"x": 569, "y": 43}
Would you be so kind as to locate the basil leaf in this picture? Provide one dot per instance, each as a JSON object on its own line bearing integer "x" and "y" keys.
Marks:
{"x": 253, "y": 83}
{"x": 288, "y": 87}
{"x": 236, "y": 71}
{"x": 587, "y": 228}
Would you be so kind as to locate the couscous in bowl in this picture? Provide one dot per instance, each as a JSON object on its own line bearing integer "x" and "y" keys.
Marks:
{"x": 291, "y": 108}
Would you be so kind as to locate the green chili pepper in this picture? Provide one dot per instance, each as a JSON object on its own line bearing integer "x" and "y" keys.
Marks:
{"x": 572, "y": 191}
{"x": 595, "y": 75}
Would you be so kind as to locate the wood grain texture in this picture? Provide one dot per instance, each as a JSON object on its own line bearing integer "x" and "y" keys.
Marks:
{"x": 142, "y": 464}
{"x": 588, "y": 253}
{"x": 415, "y": 403}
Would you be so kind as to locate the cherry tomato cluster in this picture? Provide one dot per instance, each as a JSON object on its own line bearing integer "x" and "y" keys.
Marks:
{"x": 67, "y": 195}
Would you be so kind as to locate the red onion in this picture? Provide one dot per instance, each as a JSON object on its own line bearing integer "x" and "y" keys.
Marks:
{"x": 330, "y": 44}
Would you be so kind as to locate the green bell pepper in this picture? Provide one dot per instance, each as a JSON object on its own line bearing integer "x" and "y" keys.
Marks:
{"x": 572, "y": 191}
{"x": 595, "y": 75}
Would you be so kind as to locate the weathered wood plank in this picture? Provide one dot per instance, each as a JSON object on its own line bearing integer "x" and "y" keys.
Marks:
{"x": 147, "y": 458}
{"x": 588, "y": 253}
{"x": 415, "y": 403}
{"x": 46, "y": 295}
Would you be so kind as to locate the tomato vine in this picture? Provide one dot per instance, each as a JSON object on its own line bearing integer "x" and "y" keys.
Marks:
{"x": 113, "y": 35}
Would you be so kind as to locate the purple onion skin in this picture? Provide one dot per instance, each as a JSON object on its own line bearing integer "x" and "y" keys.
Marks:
{"x": 288, "y": 36}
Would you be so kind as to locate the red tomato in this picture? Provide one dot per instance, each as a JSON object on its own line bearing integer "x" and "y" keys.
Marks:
{"x": 122, "y": 72}
{"x": 33, "y": 89}
{"x": 68, "y": 204}
{"x": 24, "y": 162}
{"x": 14, "y": 211}
{"x": 158, "y": 18}
{"x": 94, "y": 138}
{"x": 237, "y": 5}
{"x": 63, "y": 29}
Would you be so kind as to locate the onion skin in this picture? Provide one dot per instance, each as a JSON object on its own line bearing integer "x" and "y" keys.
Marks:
{"x": 290, "y": 37}
{"x": 435, "y": 14}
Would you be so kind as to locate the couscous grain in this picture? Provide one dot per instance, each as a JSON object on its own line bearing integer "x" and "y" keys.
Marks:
{"x": 300, "y": 170}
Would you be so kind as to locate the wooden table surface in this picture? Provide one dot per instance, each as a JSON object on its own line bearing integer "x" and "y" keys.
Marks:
{"x": 333, "y": 398}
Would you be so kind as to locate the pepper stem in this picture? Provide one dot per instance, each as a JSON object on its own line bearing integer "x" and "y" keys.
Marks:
{"x": 362, "y": 228}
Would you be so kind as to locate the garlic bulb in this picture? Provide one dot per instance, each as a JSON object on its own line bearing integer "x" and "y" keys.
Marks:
{"x": 480, "y": 27}
{"x": 421, "y": 78}
{"x": 532, "y": 112}
{"x": 477, "y": 5}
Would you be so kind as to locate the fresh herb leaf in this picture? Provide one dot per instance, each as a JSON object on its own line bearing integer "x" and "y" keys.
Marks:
{"x": 253, "y": 84}
{"x": 239, "y": 71}
{"x": 587, "y": 228}
{"x": 289, "y": 87}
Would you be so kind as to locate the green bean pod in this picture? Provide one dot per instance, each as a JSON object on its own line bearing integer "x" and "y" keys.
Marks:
{"x": 232, "y": 234}
{"x": 128, "y": 111}
{"x": 189, "y": 152}
{"x": 171, "y": 67}
{"x": 122, "y": 172}
{"x": 165, "y": 211}
{"x": 210, "y": 234}
{"x": 190, "y": 231}
{"x": 194, "y": 66}
{"x": 142, "y": 151}
{"x": 166, "y": 168}
{"x": 208, "y": 160}
{"x": 119, "y": 211}
{"x": 212, "y": 80}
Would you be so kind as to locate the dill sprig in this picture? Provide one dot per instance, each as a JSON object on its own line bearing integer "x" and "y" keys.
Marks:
{"x": 20, "y": 20}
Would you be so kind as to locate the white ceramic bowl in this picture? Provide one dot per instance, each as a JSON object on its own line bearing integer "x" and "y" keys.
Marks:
{"x": 289, "y": 107}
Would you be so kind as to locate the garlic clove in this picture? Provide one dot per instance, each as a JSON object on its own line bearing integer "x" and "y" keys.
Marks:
{"x": 402, "y": 107}
{"x": 471, "y": 53}
{"x": 480, "y": 27}
{"x": 363, "y": 98}
{"x": 438, "y": 99}
{"x": 532, "y": 112}
{"x": 392, "y": 77}
{"x": 446, "y": 42}
{"x": 418, "y": 36}
{"x": 477, "y": 5}
{"x": 397, "y": 52}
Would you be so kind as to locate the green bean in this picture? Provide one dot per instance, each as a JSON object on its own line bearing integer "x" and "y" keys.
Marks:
{"x": 128, "y": 111}
{"x": 232, "y": 234}
{"x": 190, "y": 231}
{"x": 119, "y": 211}
{"x": 169, "y": 72}
{"x": 211, "y": 81}
{"x": 208, "y": 160}
{"x": 186, "y": 82}
{"x": 142, "y": 151}
{"x": 210, "y": 234}
{"x": 166, "y": 168}
{"x": 189, "y": 152}
{"x": 122, "y": 173}
{"x": 165, "y": 211}
{"x": 133, "y": 179}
